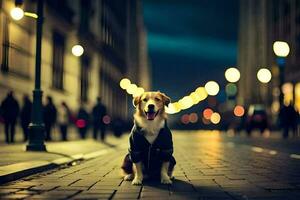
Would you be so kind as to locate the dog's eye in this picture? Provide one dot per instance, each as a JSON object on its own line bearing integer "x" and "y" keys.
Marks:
{"x": 157, "y": 99}
{"x": 145, "y": 100}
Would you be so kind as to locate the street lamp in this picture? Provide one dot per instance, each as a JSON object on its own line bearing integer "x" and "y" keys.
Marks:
{"x": 36, "y": 127}
{"x": 232, "y": 75}
{"x": 281, "y": 50}
{"x": 212, "y": 88}
{"x": 77, "y": 50}
{"x": 264, "y": 75}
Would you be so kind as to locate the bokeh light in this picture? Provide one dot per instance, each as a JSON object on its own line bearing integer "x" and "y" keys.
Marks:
{"x": 264, "y": 75}
{"x": 232, "y": 75}
{"x": 281, "y": 49}
{"x": 131, "y": 89}
{"x": 231, "y": 89}
{"x": 193, "y": 117}
{"x": 77, "y": 50}
{"x": 215, "y": 118}
{"x": 139, "y": 91}
{"x": 124, "y": 83}
{"x": 185, "y": 119}
{"x": 186, "y": 102}
{"x": 106, "y": 119}
{"x": 17, "y": 13}
{"x": 201, "y": 92}
{"x": 207, "y": 113}
{"x": 239, "y": 111}
{"x": 173, "y": 108}
{"x": 212, "y": 88}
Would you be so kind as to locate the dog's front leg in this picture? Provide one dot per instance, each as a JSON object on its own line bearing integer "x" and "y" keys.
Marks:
{"x": 164, "y": 177}
{"x": 138, "y": 177}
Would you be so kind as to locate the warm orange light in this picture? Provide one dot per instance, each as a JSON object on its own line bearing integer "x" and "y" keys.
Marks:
{"x": 193, "y": 118}
{"x": 239, "y": 111}
{"x": 207, "y": 113}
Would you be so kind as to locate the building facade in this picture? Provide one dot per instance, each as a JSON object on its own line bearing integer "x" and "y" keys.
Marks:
{"x": 262, "y": 22}
{"x": 101, "y": 27}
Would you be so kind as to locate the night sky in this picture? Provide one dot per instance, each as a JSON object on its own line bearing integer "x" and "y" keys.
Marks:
{"x": 190, "y": 42}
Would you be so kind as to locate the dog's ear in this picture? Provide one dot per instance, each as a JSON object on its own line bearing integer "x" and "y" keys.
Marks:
{"x": 166, "y": 99}
{"x": 136, "y": 100}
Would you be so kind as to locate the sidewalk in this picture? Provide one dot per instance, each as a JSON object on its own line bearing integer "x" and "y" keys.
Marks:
{"x": 15, "y": 162}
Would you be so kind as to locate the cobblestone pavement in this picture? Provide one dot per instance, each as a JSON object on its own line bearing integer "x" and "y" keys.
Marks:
{"x": 208, "y": 167}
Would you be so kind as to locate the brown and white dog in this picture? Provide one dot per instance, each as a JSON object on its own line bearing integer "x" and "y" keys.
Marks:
{"x": 150, "y": 131}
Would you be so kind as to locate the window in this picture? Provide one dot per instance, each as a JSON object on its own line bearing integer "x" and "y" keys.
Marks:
{"x": 58, "y": 60}
{"x": 84, "y": 80}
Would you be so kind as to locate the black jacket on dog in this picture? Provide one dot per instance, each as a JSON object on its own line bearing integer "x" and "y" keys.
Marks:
{"x": 151, "y": 155}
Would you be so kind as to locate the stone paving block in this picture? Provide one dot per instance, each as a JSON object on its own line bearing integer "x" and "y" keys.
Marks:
{"x": 14, "y": 196}
{"x": 91, "y": 196}
{"x": 8, "y": 190}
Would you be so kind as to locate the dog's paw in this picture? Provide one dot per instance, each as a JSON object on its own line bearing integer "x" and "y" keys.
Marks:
{"x": 165, "y": 179}
{"x": 137, "y": 181}
{"x": 128, "y": 177}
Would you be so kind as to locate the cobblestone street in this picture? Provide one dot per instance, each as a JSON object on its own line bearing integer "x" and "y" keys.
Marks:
{"x": 209, "y": 166}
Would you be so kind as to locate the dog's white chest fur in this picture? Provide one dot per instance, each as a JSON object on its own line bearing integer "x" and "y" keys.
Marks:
{"x": 151, "y": 129}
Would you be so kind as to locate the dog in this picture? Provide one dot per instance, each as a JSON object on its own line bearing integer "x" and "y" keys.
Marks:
{"x": 150, "y": 141}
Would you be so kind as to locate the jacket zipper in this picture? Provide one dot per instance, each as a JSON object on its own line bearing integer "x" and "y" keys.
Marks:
{"x": 149, "y": 155}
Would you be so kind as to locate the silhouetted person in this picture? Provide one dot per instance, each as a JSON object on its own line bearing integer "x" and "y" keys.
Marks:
{"x": 288, "y": 119}
{"x": 82, "y": 121}
{"x": 98, "y": 112}
{"x": 10, "y": 111}
{"x": 63, "y": 120}
{"x": 50, "y": 114}
{"x": 25, "y": 116}
{"x": 118, "y": 125}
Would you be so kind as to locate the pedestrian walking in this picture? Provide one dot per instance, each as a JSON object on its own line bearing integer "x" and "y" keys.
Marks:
{"x": 10, "y": 111}
{"x": 63, "y": 120}
{"x": 288, "y": 119}
{"x": 98, "y": 112}
{"x": 50, "y": 114}
{"x": 25, "y": 116}
{"x": 82, "y": 121}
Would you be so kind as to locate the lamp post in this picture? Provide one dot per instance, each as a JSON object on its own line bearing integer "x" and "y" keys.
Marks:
{"x": 281, "y": 50}
{"x": 36, "y": 127}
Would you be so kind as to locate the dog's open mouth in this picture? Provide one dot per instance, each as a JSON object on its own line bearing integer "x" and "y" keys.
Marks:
{"x": 151, "y": 115}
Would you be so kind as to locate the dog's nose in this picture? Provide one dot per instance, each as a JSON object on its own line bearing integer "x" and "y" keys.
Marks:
{"x": 151, "y": 107}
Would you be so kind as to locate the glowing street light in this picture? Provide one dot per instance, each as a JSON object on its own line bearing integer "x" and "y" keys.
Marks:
{"x": 132, "y": 88}
{"x": 232, "y": 75}
{"x": 281, "y": 49}
{"x": 17, "y": 13}
{"x": 124, "y": 83}
{"x": 139, "y": 91}
{"x": 212, "y": 88}
{"x": 264, "y": 75}
{"x": 77, "y": 50}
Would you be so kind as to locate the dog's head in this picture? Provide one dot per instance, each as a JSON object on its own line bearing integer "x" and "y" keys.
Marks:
{"x": 151, "y": 104}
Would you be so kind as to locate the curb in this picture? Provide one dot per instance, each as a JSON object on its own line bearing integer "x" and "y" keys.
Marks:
{"x": 19, "y": 170}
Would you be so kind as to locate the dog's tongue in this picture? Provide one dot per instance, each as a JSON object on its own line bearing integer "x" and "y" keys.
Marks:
{"x": 150, "y": 116}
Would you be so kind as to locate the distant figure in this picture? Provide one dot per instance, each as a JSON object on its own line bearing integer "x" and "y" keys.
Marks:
{"x": 63, "y": 120}
{"x": 288, "y": 119}
{"x": 50, "y": 114}
{"x": 25, "y": 116}
{"x": 117, "y": 126}
{"x": 98, "y": 112}
{"x": 10, "y": 111}
{"x": 82, "y": 121}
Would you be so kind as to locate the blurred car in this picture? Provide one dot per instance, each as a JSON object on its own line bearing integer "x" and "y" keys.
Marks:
{"x": 256, "y": 118}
